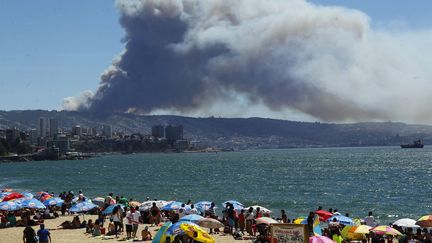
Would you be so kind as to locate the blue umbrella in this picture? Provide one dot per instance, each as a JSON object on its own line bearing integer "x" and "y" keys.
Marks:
{"x": 110, "y": 209}
{"x": 160, "y": 235}
{"x": 82, "y": 207}
{"x": 53, "y": 201}
{"x": 194, "y": 218}
{"x": 32, "y": 203}
{"x": 203, "y": 206}
{"x": 172, "y": 206}
{"x": 341, "y": 219}
{"x": 27, "y": 195}
{"x": 10, "y": 206}
{"x": 237, "y": 205}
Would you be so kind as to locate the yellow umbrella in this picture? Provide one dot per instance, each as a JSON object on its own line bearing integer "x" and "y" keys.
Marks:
{"x": 348, "y": 232}
{"x": 362, "y": 229}
{"x": 197, "y": 233}
{"x": 298, "y": 221}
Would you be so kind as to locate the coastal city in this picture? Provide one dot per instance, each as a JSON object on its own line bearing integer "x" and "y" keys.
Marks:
{"x": 50, "y": 142}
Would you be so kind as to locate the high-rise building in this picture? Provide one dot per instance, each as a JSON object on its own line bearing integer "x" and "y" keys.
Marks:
{"x": 107, "y": 131}
{"x": 53, "y": 127}
{"x": 42, "y": 127}
{"x": 12, "y": 135}
{"x": 76, "y": 130}
{"x": 33, "y": 134}
{"x": 94, "y": 131}
{"x": 158, "y": 131}
{"x": 173, "y": 133}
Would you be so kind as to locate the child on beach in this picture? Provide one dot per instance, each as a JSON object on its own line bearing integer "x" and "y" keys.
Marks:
{"x": 241, "y": 221}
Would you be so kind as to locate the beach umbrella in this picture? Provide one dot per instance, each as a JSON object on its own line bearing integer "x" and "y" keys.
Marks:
{"x": 53, "y": 201}
{"x": 385, "y": 230}
{"x": 148, "y": 204}
{"x": 161, "y": 235}
{"x": 172, "y": 206}
{"x": 32, "y": 203}
{"x": 265, "y": 220}
{"x": 320, "y": 239}
{"x": 82, "y": 207}
{"x": 362, "y": 229}
{"x": 197, "y": 233}
{"x": 341, "y": 219}
{"x": 406, "y": 222}
{"x": 134, "y": 204}
{"x": 262, "y": 209}
{"x": 12, "y": 196}
{"x": 425, "y": 221}
{"x": 110, "y": 208}
{"x": 203, "y": 206}
{"x": 175, "y": 229}
{"x": 210, "y": 223}
{"x": 237, "y": 205}
{"x": 10, "y": 206}
{"x": 191, "y": 218}
{"x": 323, "y": 215}
{"x": 100, "y": 201}
{"x": 349, "y": 233}
{"x": 27, "y": 195}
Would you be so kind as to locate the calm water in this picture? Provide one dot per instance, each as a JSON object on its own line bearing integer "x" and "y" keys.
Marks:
{"x": 392, "y": 182}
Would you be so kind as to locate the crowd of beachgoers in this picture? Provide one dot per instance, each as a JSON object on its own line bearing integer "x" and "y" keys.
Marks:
{"x": 119, "y": 217}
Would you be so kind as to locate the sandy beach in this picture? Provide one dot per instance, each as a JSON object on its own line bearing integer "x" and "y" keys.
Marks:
{"x": 15, "y": 234}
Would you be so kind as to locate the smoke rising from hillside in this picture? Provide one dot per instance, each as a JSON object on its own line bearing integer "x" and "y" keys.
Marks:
{"x": 186, "y": 56}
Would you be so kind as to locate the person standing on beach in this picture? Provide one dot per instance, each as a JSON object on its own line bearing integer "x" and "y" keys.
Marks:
{"x": 116, "y": 219}
{"x": 249, "y": 220}
{"x": 241, "y": 221}
{"x": 370, "y": 220}
{"x": 284, "y": 217}
{"x": 310, "y": 221}
{"x": 135, "y": 220}
{"x": 154, "y": 215}
{"x": 108, "y": 200}
{"x": 128, "y": 224}
{"x": 29, "y": 235}
{"x": 44, "y": 235}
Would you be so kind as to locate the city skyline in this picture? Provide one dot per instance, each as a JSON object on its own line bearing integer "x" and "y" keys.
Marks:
{"x": 49, "y": 55}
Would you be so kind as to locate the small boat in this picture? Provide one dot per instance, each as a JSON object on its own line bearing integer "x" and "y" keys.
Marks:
{"x": 415, "y": 144}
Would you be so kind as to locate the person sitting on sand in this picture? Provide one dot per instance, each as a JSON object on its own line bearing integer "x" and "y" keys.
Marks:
{"x": 75, "y": 224}
{"x": 96, "y": 228}
{"x": 146, "y": 234}
{"x": 111, "y": 227}
{"x": 89, "y": 227}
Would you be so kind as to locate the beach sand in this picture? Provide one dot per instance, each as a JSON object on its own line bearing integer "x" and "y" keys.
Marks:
{"x": 15, "y": 234}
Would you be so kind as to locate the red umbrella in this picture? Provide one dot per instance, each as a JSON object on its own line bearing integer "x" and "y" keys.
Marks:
{"x": 323, "y": 215}
{"x": 12, "y": 196}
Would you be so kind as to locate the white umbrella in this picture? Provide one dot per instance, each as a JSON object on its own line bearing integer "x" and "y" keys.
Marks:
{"x": 409, "y": 223}
{"x": 265, "y": 220}
{"x": 148, "y": 204}
{"x": 262, "y": 209}
{"x": 210, "y": 223}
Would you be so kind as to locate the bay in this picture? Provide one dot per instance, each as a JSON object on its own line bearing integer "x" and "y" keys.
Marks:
{"x": 392, "y": 182}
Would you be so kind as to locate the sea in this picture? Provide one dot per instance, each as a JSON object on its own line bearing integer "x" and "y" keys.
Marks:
{"x": 392, "y": 182}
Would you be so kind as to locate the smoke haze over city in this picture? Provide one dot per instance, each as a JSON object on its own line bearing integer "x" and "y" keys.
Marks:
{"x": 273, "y": 58}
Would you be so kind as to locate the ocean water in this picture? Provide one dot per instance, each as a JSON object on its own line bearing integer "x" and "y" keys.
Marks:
{"x": 392, "y": 182}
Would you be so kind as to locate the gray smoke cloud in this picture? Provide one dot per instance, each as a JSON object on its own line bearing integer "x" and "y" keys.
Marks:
{"x": 188, "y": 56}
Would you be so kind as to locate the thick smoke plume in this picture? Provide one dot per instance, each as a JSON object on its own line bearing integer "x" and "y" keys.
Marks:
{"x": 285, "y": 55}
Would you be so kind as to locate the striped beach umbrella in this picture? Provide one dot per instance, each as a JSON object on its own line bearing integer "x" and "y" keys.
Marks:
{"x": 425, "y": 221}
{"x": 385, "y": 230}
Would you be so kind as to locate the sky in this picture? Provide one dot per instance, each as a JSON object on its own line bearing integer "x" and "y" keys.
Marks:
{"x": 54, "y": 49}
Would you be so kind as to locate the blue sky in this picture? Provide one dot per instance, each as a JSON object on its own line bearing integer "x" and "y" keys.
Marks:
{"x": 53, "y": 49}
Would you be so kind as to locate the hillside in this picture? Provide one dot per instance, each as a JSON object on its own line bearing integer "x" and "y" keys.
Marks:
{"x": 239, "y": 133}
